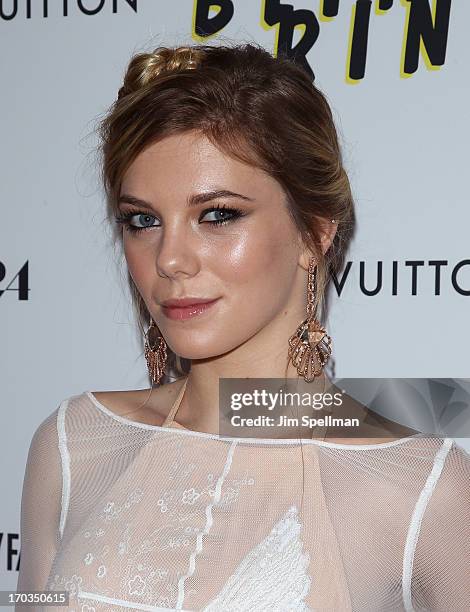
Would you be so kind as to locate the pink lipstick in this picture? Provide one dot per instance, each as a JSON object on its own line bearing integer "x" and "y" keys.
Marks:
{"x": 186, "y": 308}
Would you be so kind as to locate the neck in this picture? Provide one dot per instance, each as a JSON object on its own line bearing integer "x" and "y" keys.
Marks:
{"x": 199, "y": 408}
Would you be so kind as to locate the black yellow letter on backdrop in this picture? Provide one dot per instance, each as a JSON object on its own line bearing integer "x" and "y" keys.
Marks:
{"x": 426, "y": 28}
{"x": 205, "y": 26}
{"x": 287, "y": 19}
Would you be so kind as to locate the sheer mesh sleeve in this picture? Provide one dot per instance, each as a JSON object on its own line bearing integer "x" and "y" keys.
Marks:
{"x": 441, "y": 574}
{"x": 40, "y": 507}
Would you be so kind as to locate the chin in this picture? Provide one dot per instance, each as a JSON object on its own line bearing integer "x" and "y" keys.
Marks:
{"x": 199, "y": 346}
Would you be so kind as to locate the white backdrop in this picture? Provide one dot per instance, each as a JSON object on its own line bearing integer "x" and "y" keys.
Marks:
{"x": 405, "y": 141}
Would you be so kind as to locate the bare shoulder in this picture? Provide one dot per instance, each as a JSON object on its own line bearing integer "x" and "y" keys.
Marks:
{"x": 149, "y": 406}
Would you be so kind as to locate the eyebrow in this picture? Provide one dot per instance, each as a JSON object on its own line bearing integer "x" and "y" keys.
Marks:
{"x": 193, "y": 200}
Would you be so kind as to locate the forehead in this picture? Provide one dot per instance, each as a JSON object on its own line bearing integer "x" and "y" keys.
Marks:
{"x": 189, "y": 161}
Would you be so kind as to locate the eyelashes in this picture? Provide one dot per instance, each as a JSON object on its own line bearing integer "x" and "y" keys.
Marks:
{"x": 125, "y": 217}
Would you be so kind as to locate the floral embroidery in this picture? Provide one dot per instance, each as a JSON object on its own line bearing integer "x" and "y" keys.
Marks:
{"x": 73, "y": 585}
{"x": 120, "y": 559}
{"x": 190, "y": 496}
{"x": 111, "y": 510}
{"x": 101, "y": 571}
{"x": 229, "y": 495}
{"x": 176, "y": 542}
{"x": 63, "y": 583}
{"x": 136, "y": 586}
{"x": 88, "y": 559}
{"x": 163, "y": 506}
{"x": 161, "y": 573}
{"x": 136, "y": 496}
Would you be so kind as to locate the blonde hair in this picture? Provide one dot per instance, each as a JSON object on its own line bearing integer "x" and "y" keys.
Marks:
{"x": 259, "y": 109}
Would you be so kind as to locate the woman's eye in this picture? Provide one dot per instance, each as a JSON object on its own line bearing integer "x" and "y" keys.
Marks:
{"x": 221, "y": 215}
{"x": 143, "y": 221}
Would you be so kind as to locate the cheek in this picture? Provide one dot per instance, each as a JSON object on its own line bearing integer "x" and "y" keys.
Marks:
{"x": 140, "y": 266}
{"x": 260, "y": 261}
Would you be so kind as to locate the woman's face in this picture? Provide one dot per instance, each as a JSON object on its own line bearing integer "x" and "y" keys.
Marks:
{"x": 250, "y": 263}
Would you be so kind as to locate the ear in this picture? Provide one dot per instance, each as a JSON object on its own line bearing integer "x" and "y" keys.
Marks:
{"x": 328, "y": 232}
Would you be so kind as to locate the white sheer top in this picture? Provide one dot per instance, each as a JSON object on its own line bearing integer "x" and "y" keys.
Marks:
{"x": 125, "y": 515}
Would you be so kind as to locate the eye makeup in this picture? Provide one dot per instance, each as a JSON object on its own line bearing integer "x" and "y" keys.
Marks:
{"x": 125, "y": 217}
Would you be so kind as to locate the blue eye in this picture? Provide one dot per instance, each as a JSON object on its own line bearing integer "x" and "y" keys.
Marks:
{"x": 146, "y": 220}
{"x": 233, "y": 213}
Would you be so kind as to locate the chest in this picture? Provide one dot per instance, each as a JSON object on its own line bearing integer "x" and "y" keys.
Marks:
{"x": 175, "y": 532}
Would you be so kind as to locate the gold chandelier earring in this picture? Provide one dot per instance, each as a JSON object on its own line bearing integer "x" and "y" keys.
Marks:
{"x": 310, "y": 346}
{"x": 155, "y": 352}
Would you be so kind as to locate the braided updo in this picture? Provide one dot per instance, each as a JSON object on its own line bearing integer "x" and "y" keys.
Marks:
{"x": 144, "y": 68}
{"x": 259, "y": 109}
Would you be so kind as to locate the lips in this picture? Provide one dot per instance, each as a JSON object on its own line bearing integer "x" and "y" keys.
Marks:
{"x": 184, "y": 302}
{"x": 186, "y": 308}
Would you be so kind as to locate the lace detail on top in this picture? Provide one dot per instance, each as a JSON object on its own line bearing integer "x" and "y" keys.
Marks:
{"x": 139, "y": 517}
{"x": 256, "y": 585}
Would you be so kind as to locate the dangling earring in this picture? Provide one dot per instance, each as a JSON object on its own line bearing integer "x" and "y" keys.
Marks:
{"x": 155, "y": 352}
{"x": 310, "y": 346}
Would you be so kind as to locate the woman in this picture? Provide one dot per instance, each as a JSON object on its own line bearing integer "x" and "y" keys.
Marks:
{"x": 223, "y": 173}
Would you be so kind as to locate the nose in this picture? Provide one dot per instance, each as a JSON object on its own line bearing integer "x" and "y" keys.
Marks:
{"x": 177, "y": 254}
